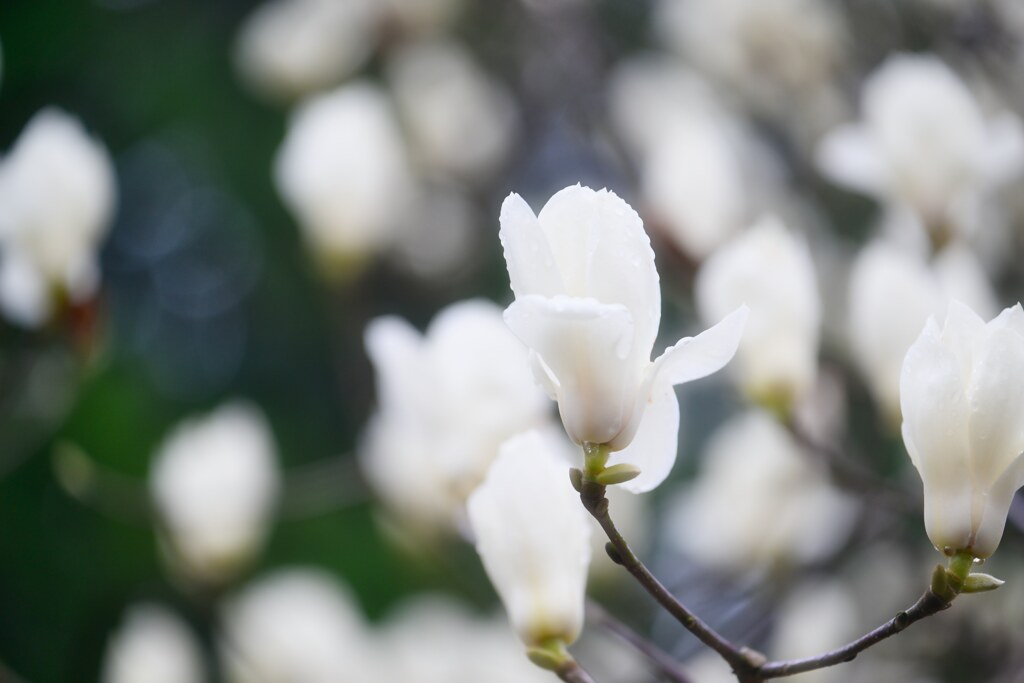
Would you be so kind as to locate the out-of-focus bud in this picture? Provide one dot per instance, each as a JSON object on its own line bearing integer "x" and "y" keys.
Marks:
{"x": 435, "y": 640}
{"x": 534, "y": 539}
{"x": 924, "y": 143}
{"x": 588, "y": 305}
{"x": 290, "y": 48}
{"x": 770, "y": 269}
{"x": 759, "y": 502}
{"x": 447, "y": 399}
{"x": 461, "y": 122}
{"x": 963, "y": 425}
{"x": 343, "y": 172}
{"x": 295, "y": 626}
{"x": 214, "y": 483}
{"x": 152, "y": 645}
{"x": 57, "y": 193}
{"x": 891, "y": 295}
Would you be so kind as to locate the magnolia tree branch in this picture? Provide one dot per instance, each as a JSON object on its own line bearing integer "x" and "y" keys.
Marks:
{"x": 742, "y": 660}
{"x": 928, "y": 604}
{"x": 664, "y": 662}
{"x": 572, "y": 672}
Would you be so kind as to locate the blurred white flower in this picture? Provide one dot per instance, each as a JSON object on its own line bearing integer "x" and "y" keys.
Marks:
{"x": 57, "y": 194}
{"x": 343, "y": 172}
{"x": 435, "y": 640}
{"x": 534, "y": 539}
{"x": 588, "y": 305}
{"x": 767, "y": 50}
{"x": 461, "y": 122}
{"x": 439, "y": 237}
{"x": 814, "y": 618}
{"x": 891, "y": 294}
{"x": 768, "y": 268}
{"x": 446, "y": 399}
{"x": 924, "y": 143}
{"x": 759, "y": 502}
{"x": 423, "y": 16}
{"x": 214, "y": 483}
{"x": 152, "y": 645}
{"x": 290, "y": 48}
{"x": 295, "y": 626}
{"x": 962, "y": 394}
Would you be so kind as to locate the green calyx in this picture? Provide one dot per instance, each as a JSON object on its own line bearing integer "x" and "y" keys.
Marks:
{"x": 596, "y": 469}
{"x": 550, "y": 654}
{"x": 956, "y": 578}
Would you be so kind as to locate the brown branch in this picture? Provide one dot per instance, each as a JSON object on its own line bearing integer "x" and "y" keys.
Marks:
{"x": 664, "y": 662}
{"x": 571, "y": 672}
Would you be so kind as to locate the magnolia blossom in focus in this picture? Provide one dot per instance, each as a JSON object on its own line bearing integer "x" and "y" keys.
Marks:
{"x": 152, "y": 645}
{"x": 214, "y": 482}
{"x": 534, "y": 539}
{"x": 759, "y": 501}
{"x": 962, "y": 394}
{"x": 924, "y": 143}
{"x": 343, "y": 172}
{"x": 437, "y": 640}
{"x": 461, "y": 122}
{"x": 57, "y": 192}
{"x": 290, "y": 48}
{"x": 770, "y": 269}
{"x": 588, "y": 305}
{"x": 891, "y": 294}
{"x": 446, "y": 399}
{"x": 295, "y": 626}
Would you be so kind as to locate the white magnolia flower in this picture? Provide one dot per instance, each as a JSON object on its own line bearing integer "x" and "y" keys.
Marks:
{"x": 891, "y": 294}
{"x": 447, "y": 399}
{"x": 152, "y": 645}
{"x": 924, "y": 142}
{"x": 962, "y": 394}
{"x": 588, "y": 305}
{"x": 759, "y": 501}
{"x": 343, "y": 172}
{"x": 534, "y": 539}
{"x": 57, "y": 193}
{"x": 770, "y": 269}
{"x": 214, "y": 482}
{"x": 461, "y": 121}
{"x": 295, "y": 626}
{"x": 290, "y": 48}
{"x": 436, "y": 640}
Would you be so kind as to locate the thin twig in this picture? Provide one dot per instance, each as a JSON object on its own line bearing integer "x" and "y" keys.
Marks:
{"x": 927, "y": 605}
{"x": 664, "y": 662}
{"x": 572, "y": 672}
{"x": 742, "y": 660}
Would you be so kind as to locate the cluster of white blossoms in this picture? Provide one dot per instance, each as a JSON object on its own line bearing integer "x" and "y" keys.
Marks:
{"x": 57, "y": 193}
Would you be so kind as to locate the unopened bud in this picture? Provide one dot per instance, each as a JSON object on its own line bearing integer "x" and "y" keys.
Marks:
{"x": 617, "y": 474}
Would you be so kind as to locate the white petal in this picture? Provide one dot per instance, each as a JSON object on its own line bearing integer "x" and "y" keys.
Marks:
{"x": 531, "y": 265}
{"x": 848, "y": 156}
{"x": 602, "y": 252}
{"x": 696, "y": 357}
{"x": 1004, "y": 152}
{"x": 654, "y": 446}
{"x": 534, "y": 538}
{"x": 24, "y": 291}
{"x": 585, "y": 345}
{"x": 997, "y": 507}
{"x": 960, "y": 332}
{"x": 935, "y": 415}
{"x": 396, "y": 349}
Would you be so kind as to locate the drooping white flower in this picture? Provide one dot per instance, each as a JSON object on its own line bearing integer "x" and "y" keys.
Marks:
{"x": 57, "y": 193}
{"x": 295, "y": 626}
{"x": 924, "y": 142}
{"x": 437, "y": 640}
{"x": 290, "y": 48}
{"x": 534, "y": 539}
{"x": 769, "y": 268}
{"x": 891, "y": 294}
{"x": 343, "y": 172}
{"x": 759, "y": 501}
{"x": 152, "y": 645}
{"x": 588, "y": 305}
{"x": 446, "y": 399}
{"x": 214, "y": 482}
{"x": 461, "y": 121}
{"x": 962, "y": 394}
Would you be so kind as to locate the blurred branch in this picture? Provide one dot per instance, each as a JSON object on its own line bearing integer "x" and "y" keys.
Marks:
{"x": 664, "y": 662}
{"x": 573, "y": 673}
{"x": 115, "y": 495}
{"x": 8, "y": 676}
{"x": 322, "y": 486}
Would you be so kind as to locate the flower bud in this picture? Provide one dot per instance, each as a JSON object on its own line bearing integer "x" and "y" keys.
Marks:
{"x": 153, "y": 645}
